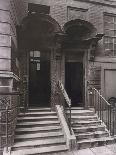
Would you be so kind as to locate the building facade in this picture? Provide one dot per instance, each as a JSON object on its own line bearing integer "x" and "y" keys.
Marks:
{"x": 46, "y": 41}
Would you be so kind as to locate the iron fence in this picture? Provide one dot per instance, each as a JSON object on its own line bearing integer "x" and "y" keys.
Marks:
{"x": 105, "y": 111}
{"x": 9, "y": 109}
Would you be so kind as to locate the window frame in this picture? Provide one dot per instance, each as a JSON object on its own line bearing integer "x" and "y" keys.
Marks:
{"x": 113, "y": 37}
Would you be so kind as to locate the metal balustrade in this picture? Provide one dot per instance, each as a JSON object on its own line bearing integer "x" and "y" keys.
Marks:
{"x": 9, "y": 109}
{"x": 66, "y": 103}
{"x": 105, "y": 111}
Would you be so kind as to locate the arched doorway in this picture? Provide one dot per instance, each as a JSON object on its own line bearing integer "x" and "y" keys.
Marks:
{"x": 36, "y": 36}
{"x": 76, "y": 45}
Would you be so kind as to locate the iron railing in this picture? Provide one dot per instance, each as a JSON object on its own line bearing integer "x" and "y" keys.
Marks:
{"x": 9, "y": 109}
{"x": 105, "y": 111}
{"x": 66, "y": 102}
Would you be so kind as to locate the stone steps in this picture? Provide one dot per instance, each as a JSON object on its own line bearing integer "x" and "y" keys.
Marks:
{"x": 38, "y": 143}
{"x": 76, "y": 108}
{"x": 89, "y": 130}
{"x": 31, "y": 109}
{"x": 85, "y": 123}
{"x": 38, "y": 132}
{"x": 35, "y": 113}
{"x": 44, "y": 150}
{"x": 38, "y": 129}
{"x": 94, "y": 142}
{"x": 41, "y": 123}
{"x": 33, "y": 136}
{"x": 83, "y": 117}
{"x": 81, "y": 112}
{"x": 33, "y": 119}
{"x": 88, "y": 135}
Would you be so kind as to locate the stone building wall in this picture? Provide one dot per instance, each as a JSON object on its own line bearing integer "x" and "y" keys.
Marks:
{"x": 11, "y": 14}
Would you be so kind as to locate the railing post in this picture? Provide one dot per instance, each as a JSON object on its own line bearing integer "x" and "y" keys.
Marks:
{"x": 95, "y": 100}
{"x": 70, "y": 119}
{"x": 110, "y": 119}
{"x": 7, "y": 128}
{"x": 113, "y": 126}
{"x": 115, "y": 119}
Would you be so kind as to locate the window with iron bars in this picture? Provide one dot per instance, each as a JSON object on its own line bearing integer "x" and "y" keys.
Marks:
{"x": 110, "y": 34}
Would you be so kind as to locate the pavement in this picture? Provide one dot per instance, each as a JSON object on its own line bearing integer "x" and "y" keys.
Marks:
{"x": 103, "y": 150}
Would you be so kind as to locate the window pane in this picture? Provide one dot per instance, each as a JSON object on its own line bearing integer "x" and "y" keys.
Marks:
{"x": 114, "y": 19}
{"x": 114, "y": 46}
{"x": 107, "y": 32}
{"x": 115, "y": 33}
{"x": 106, "y": 46}
{"x": 106, "y": 39}
{"x": 31, "y": 53}
{"x": 114, "y": 40}
{"x": 36, "y": 53}
{"x": 110, "y": 46}
{"x": 114, "y": 52}
{"x": 108, "y": 18}
{"x": 38, "y": 66}
{"x": 110, "y": 40}
{"x": 108, "y": 25}
{"x": 115, "y": 27}
{"x": 111, "y": 33}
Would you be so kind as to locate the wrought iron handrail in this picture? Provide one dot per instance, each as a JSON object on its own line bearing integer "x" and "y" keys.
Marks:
{"x": 105, "y": 111}
{"x": 6, "y": 103}
{"x": 68, "y": 102}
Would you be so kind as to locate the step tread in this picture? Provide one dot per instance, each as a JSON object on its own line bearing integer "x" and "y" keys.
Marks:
{"x": 79, "y": 117}
{"x": 39, "y": 108}
{"x": 82, "y": 111}
{"x": 39, "y": 142}
{"x": 87, "y": 121}
{"x": 92, "y": 133}
{"x": 37, "y": 123}
{"x": 38, "y": 128}
{"x": 88, "y": 127}
{"x": 94, "y": 139}
{"x": 40, "y": 150}
{"x": 76, "y": 108}
{"x": 39, "y": 112}
{"x": 41, "y": 117}
{"x": 39, "y": 135}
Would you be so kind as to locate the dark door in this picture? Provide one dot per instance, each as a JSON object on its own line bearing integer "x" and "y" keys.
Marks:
{"x": 74, "y": 82}
{"x": 39, "y": 81}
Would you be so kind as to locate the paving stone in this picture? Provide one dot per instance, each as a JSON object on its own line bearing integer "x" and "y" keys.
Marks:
{"x": 43, "y": 150}
{"x": 103, "y": 150}
{"x": 112, "y": 147}
{"x": 83, "y": 152}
